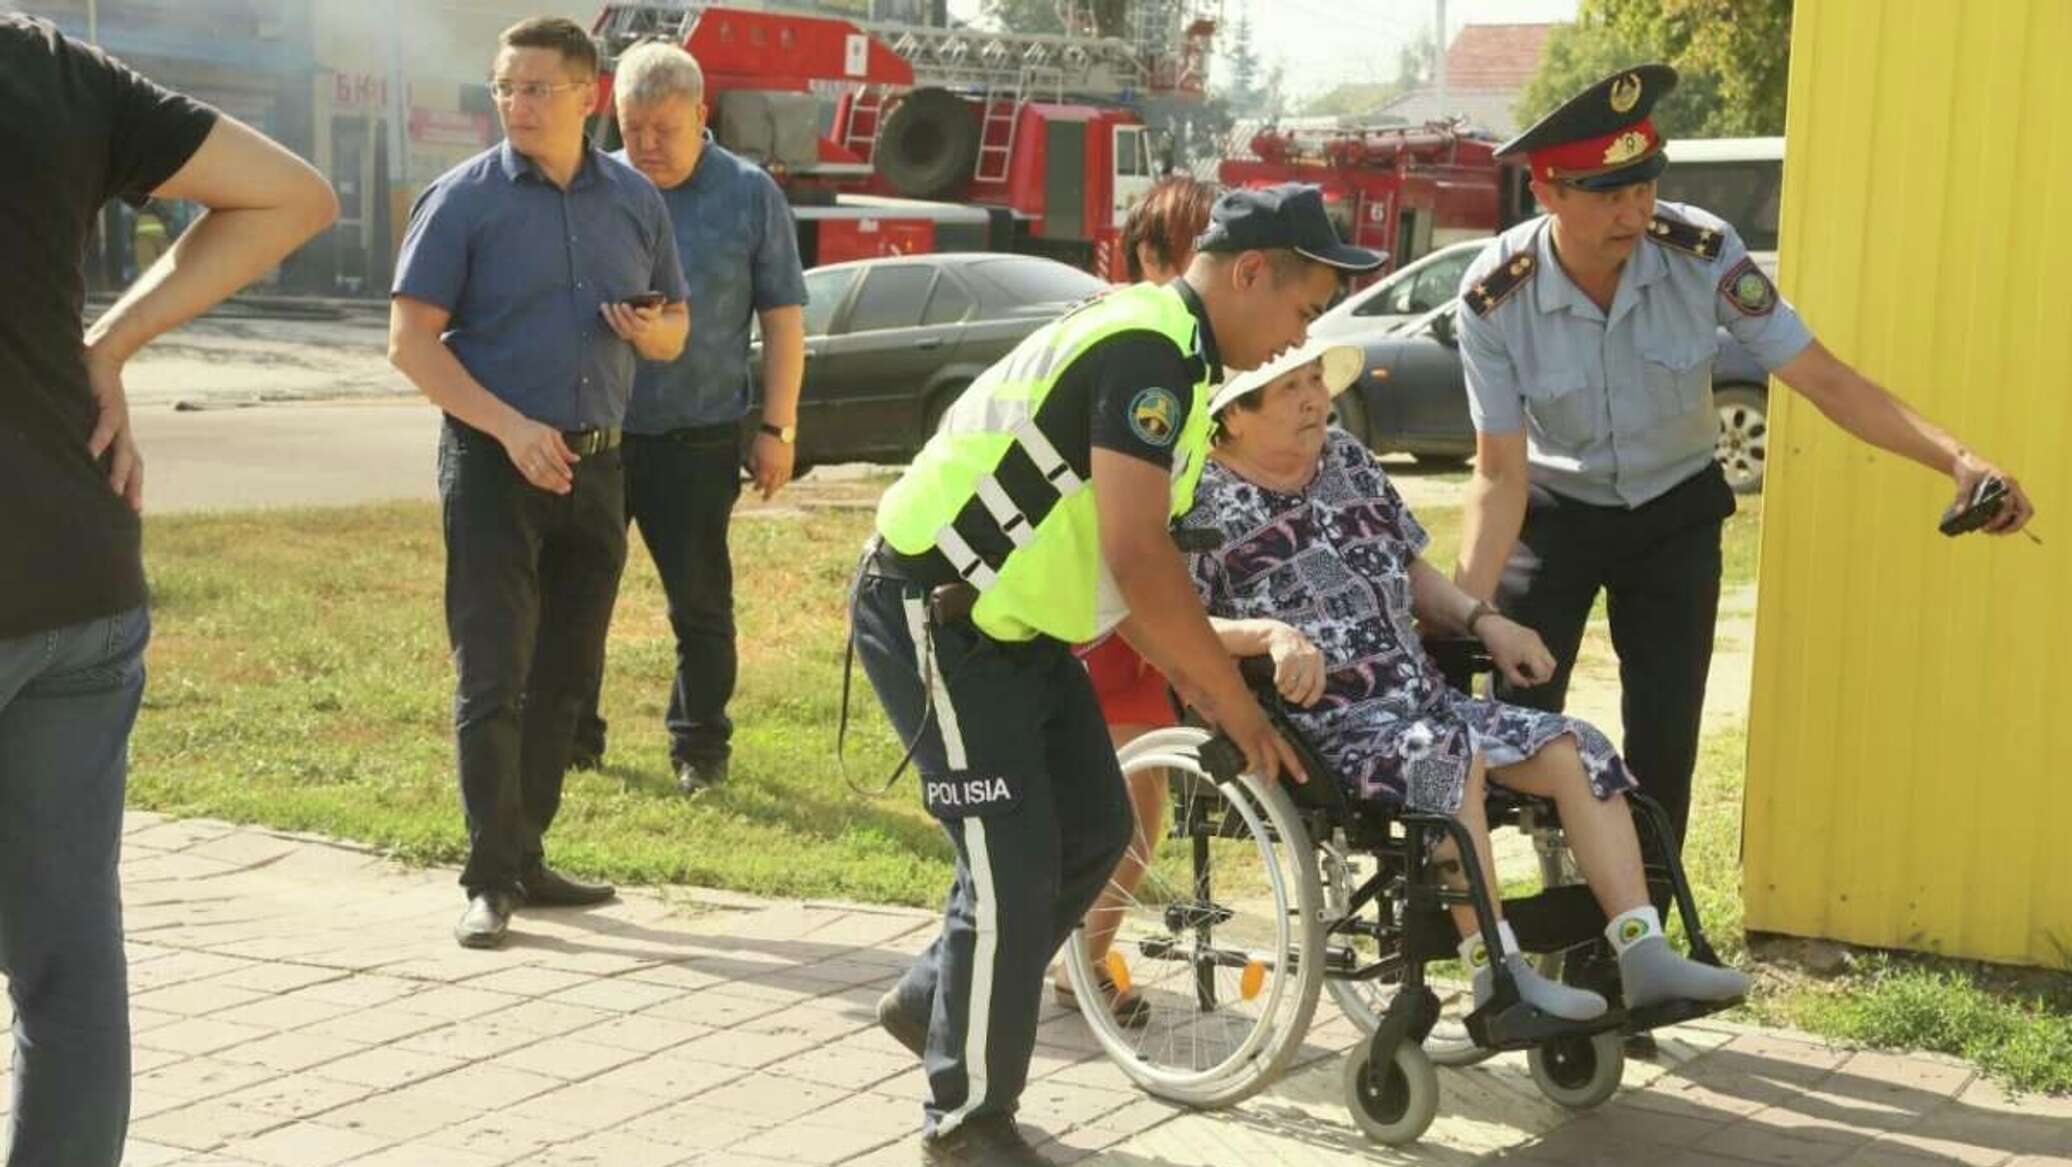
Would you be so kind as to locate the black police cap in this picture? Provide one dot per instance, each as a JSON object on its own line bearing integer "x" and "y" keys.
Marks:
{"x": 1289, "y": 216}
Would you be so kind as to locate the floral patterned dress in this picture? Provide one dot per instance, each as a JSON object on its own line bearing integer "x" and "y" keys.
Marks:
{"x": 1334, "y": 561}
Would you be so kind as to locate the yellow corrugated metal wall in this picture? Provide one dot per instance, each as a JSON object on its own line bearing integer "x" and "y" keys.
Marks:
{"x": 1910, "y": 735}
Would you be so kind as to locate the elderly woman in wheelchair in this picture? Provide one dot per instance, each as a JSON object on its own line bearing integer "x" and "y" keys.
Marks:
{"x": 1305, "y": 554}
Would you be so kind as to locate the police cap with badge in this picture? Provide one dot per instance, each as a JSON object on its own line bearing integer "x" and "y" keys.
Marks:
{"x": 1602, "y": 139}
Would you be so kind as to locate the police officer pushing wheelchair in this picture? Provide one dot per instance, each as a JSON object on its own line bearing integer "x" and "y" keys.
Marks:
{"x": 1037, "y": 518}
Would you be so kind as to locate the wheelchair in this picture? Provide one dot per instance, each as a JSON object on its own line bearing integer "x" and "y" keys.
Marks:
{"x": 1261, "y": 895}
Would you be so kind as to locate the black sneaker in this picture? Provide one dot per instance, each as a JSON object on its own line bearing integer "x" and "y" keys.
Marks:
{"x": 693, "y": 777}
{"x": 987, "y": 1141}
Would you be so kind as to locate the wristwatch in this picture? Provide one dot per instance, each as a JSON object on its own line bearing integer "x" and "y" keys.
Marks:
{"x": 783, "y": 433}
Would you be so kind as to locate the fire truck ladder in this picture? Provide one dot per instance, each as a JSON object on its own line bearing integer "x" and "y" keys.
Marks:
{"x": 866, "y": 112}
{"x": 1001, "y": 118}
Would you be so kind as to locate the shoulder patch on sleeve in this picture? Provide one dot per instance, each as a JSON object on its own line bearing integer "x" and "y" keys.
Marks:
{"x": 1497, "y": 286}
{"x": 1154, "y": 416}
{"x": 1748, "y": 289}
{"x": 1704, "y": 242}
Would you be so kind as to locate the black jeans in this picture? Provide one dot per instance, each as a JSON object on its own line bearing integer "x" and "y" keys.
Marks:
{"x": 530, "y": 580}
{"x": 1660, "y": 565}
{"x": 681, "y": 488}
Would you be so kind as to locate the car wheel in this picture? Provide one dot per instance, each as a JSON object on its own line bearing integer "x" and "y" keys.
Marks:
{"x": 1744, "y": 435}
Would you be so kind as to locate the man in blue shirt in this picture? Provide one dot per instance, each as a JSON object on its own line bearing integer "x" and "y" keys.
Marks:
{"x": 511, "y": 311}
{"x": 683, "y": 429}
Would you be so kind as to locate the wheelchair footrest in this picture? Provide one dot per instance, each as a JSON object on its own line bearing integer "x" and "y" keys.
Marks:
{"x": 1523, "y": 1026}
{"x": 1674, "y": 1012}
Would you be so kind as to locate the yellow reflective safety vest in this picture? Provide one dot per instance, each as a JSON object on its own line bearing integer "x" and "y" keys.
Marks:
{"x": 993, "y": 496}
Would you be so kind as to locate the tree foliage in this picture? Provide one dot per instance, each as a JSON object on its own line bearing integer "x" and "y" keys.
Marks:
{"x": 1732, "y": 57}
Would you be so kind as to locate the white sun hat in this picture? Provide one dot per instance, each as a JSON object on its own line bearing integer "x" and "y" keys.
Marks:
{"x": 1342, "y": 363}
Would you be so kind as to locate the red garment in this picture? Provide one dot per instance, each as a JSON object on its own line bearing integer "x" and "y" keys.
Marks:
{"x": 1131, "y": 692}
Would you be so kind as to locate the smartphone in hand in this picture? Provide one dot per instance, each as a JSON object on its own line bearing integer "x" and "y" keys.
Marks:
{"x": 645, "y": 300}
{"x": 1981, "y": 508}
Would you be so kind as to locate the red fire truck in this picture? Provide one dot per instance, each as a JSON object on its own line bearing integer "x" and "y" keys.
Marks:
{"x": 1406, "y": 191}
{"x": 956, "y": 139}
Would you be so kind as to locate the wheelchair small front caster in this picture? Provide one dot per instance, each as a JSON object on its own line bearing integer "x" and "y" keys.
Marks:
{"x": 1396, "y": 1105}
{"x": 1579, "y": 1072}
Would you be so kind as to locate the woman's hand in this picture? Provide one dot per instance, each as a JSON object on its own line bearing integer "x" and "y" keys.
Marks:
{"x": 1518, "y": 651}
{"x": 1298, "y": 665}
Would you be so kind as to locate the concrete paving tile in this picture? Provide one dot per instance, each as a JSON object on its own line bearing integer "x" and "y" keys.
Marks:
{"x": 376, "y": 1025}
{"x": 567, "y": 1058}
{"x": 198, "y": 1078}
{"x": 399, "y": 1116}
{"x": 386, "y": 1067}
{"x": 504, "y": 1133}
{"x": 304, "y": 1144}
{"x": 297, "y": 1095}
{"x": 643, "y": 1034}
{"x": 483, "y": 1086}
{"x": 192, "y": 1036}
{"x": 616, "y": 994}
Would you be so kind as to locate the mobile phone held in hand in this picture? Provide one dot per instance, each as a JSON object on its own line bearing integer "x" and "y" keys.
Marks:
{"x": 645, "y": 300}
{"x": 1981, "y": 508}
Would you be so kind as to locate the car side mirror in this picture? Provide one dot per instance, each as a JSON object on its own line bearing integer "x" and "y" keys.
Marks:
{"x": 1442, "y": 330}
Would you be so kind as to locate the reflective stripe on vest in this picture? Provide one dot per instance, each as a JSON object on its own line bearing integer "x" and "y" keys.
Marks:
{"x": 992, "y": 493}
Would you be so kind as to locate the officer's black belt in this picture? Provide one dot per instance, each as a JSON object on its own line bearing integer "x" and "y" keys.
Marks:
{"x": 592, "y": 441}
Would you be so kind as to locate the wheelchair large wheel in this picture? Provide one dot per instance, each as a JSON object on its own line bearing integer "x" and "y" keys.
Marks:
{"x": 1396, "y": 1105}
{"x": 1221, "y": 938}
{"x": 1365, "y": 1001}
{"x": 1579, "y": 1073}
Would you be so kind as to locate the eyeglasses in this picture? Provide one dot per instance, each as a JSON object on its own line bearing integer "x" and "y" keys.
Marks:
{"x": 510, "y": 91}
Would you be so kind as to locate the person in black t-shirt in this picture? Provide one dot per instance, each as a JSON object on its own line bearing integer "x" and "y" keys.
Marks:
{"x": 73, "y": 622}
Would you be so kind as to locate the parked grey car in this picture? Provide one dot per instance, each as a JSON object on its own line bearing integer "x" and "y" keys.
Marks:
{"x": 1402, "y": 295}
{"x": 1412, "y": 397}
{"x": 891, "y": 342}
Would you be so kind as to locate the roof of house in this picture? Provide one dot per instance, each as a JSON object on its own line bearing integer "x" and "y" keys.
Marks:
{"x": 1496, "y": 56}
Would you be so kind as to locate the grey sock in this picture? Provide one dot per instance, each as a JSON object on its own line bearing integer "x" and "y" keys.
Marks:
{"x": 1550, "y": 996}
{"x": 1651, "y": 971}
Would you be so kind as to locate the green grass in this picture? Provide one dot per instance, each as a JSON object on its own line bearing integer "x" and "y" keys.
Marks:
{"x": 2022, "y": 1038}
{"x": 300, "y": 679}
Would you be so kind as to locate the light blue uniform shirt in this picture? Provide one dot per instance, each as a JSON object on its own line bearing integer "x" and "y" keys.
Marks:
{"x": 1617, "y": 407}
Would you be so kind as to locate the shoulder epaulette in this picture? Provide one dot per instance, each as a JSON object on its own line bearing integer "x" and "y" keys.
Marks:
{"x": 1704, "y": 242}
{"x": 1497, "y": 286}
